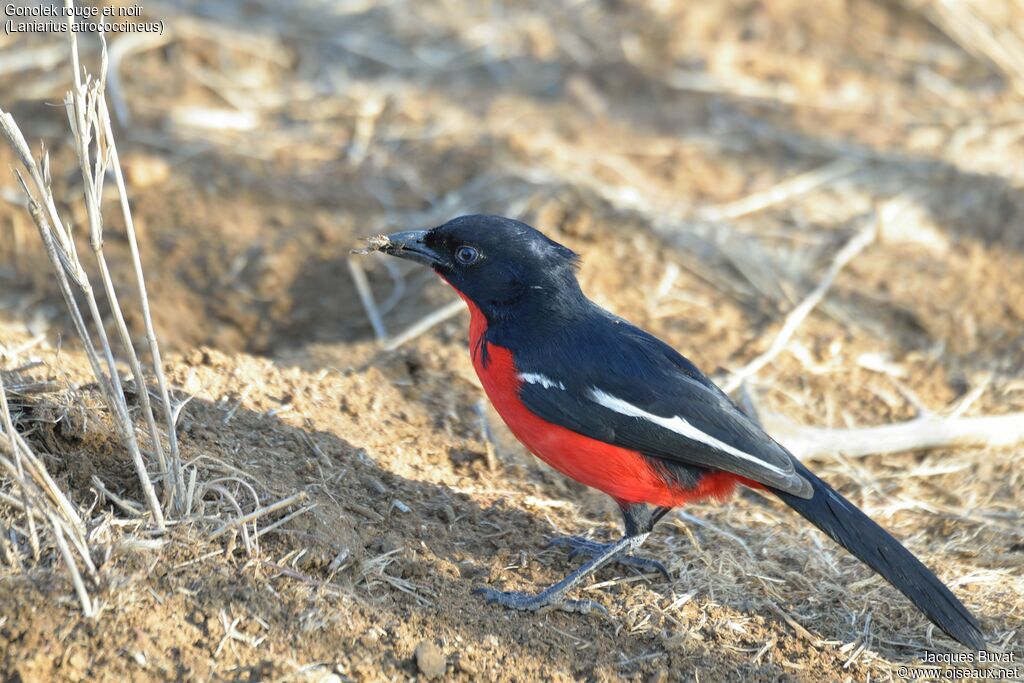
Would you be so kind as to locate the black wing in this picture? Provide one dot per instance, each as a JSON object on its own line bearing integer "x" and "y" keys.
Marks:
{"x": 619, "y": 384}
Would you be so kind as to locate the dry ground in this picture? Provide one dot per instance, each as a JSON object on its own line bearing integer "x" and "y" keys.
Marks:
{"x": 625, "y": 130}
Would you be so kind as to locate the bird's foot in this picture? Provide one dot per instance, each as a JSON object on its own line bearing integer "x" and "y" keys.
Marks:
{"x": 531, "y": 603}
{"x": 584, "y": 546}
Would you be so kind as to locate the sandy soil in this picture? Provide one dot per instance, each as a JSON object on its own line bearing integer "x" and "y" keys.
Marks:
{"x": 246, "y": 236}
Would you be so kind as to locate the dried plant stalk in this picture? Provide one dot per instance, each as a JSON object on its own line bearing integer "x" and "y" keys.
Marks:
{"x": 90, "y": 123}
{"x": 28, "y": 467}
{"x": 90, "y": 120}
{"x": 857, "y": 243}
{"x": 921, "y": 433}
{"x": 69, "y": 560}
{"x": 39, "y": 499}
{"x": 977, "y": 28}
{"x": 175, "y": 471}
{"x": 18, "y": 471}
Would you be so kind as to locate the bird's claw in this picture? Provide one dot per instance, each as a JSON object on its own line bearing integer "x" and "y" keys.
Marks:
{"x": 532, "y": 603}
{"x": 584, "y": 546}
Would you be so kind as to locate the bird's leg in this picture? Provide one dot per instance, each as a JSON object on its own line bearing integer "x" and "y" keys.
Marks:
{"x": 585, "y": 546}
{"x": 555, "y": 595}
{"x": 639, "y": 521}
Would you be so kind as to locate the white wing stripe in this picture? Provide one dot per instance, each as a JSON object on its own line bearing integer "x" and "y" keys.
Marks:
{"x": 543, "y": 380}
{"x": 677, "y": 425}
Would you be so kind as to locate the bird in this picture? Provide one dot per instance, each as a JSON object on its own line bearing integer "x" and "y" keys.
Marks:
{"x": 615, "y": 408}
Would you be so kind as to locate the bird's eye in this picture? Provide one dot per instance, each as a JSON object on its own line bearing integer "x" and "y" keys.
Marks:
{"x": 466, "y": 255}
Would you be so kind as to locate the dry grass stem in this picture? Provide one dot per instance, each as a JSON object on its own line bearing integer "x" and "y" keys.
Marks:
{"x": 175, "y": 475}
{"x": 127, "y": 506}
{"x": 26, "y": 459}
{"x": 424, "y": 324}
{"x": 259, "y": 512}
{"x": 362, "y": 284}
{"x": 88, "y": 608}
{"x": 284, "y": 520}
{"x": 976, "y": 25}
{"x": 793, "y": 320}
{"x": 784, "y": 191}
{"x": 97, "y": 154}
{"x": 84, "y": 116}
{"x": 39, "y": 499}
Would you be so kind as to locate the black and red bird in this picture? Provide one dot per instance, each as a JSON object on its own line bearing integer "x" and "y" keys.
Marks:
{"x": 615, "y": 408}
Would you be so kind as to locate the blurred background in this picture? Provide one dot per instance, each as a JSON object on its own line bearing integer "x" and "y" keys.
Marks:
{"x": 707, "y": 159}
{"x": 262, "y": 138}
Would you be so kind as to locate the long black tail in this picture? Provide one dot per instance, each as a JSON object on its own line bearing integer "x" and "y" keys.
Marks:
{"x": 855, "y": 531}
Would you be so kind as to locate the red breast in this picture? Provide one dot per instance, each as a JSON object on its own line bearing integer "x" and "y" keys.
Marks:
{"x": 621, "y": 473}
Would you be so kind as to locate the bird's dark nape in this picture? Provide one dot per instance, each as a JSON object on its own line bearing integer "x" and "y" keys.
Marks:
{"x": 874, "y": 546}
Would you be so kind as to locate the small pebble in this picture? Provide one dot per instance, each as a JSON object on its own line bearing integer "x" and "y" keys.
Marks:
{"x": 430, "y": 660}
{"x": 144, "y": 170}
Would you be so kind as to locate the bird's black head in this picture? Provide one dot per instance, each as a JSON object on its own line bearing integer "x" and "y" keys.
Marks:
{"x": 498, "y": 263}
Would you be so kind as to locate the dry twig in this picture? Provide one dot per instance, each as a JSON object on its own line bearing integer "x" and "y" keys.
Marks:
{"x": 978, "y": 29}
{"x": 927, "y": 431}
{"x": 787, "y": 189}
{"x": 789, "y": 326}
{"x": 423, "y": 324}
{"x": 260, "y": 512}
{"x": 366, "y": 298}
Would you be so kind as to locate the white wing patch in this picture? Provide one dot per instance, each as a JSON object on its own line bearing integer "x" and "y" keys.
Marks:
{"x": 543, "y": 380}
{"x": 679, "y": 426}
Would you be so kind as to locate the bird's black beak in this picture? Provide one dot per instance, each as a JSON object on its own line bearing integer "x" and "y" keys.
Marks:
{"x": 411, "y": 245}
